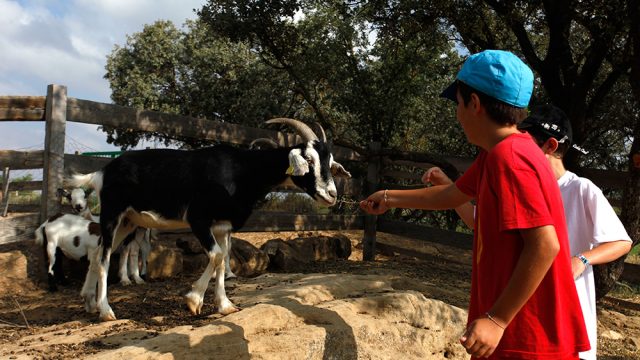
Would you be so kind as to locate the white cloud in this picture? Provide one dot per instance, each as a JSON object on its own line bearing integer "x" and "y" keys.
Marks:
{"x": 66, "y": 42}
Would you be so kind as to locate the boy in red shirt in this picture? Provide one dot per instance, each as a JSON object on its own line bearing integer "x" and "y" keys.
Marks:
{"x": 524, "y": 303}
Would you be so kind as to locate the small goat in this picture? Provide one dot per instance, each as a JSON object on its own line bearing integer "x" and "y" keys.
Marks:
{"x": 210, "y": 190}
{"x": 74, "y": 235}
{"x": 78, "y": 198}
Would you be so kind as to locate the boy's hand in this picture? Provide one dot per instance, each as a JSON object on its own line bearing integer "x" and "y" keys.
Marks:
{"x": 481, "y": 338}
{"x": 436, "y": 176}
{"x": 374, "y": 204}
{"x": 577, "y": 267}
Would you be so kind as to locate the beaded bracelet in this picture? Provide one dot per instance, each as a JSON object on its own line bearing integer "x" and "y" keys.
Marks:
{"x": 584, "y": 259}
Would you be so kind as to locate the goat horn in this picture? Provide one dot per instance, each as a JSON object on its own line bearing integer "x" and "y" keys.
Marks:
{"x": 319, "y": 130}
{"x": 303, "y": 130}
{"x": 263, "y": 141}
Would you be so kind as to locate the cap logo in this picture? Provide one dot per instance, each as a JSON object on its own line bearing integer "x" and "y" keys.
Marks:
{"x": 582, "y": 150}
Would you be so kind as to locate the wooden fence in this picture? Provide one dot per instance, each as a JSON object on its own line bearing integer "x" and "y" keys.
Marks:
{"x": 56, "y": 109}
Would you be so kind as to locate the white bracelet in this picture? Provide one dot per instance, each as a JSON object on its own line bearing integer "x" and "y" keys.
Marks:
{"x": 494, "y": 320}
{"x": 386, "y": 199}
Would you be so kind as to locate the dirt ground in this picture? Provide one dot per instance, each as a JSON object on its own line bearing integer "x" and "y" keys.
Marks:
{"x": 28, "y": 312}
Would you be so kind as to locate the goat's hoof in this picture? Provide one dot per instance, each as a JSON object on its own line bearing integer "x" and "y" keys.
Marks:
{"x": 138, "y": 281}
{"x": 125, "y": 282}
{"x": 228, "y": 310}
{"x": 225, "y": 307}
{"x": 194, "y": 303}
{"x": 90, "y": 304}
{"x": 230, "y": 276}
{"x": 109, "y": 316}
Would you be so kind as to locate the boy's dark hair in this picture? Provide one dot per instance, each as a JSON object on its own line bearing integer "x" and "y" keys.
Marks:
{"x": 500, "y": 112}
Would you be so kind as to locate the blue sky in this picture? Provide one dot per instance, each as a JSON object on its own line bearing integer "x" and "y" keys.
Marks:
{"x": 66, "y": 42}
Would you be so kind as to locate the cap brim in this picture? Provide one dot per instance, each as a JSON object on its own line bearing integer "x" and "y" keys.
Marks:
{"x": 451, "y": 92}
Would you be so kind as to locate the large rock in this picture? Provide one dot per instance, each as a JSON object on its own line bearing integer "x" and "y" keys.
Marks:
{"x": 164, "y": 262}
{"x": 315, "y": 316}
{"x": 14, "y": 268}
{"x": 245, "y": 259}
{"x": 292, "y": 255}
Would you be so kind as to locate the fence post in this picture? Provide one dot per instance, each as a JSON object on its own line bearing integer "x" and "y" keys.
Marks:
{"x": 370, "y": 221}
{"x": 5, "y": 191}
{"x": 53, "y": 170}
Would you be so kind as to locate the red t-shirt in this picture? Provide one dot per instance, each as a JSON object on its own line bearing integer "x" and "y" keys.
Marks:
{"x": 515, "y": 188}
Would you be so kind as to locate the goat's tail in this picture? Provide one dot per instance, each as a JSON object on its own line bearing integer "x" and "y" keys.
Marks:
{"x": 41, "y": 236}
{"x": 93, "y": 180}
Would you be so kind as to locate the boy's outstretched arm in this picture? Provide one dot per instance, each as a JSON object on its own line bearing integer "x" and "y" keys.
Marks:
{"x": 541, "y": 246}
{"x": 433, "y": 198}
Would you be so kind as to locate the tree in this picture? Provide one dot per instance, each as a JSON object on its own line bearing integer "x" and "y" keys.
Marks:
{"x": 361, "y": 82}
{"x": 193, "y": 73}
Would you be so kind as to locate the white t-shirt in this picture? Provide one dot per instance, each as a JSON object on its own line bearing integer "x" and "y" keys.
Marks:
{"x": 590, "y": 221}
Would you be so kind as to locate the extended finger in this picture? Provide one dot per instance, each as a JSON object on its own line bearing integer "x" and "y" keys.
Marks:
{"x": 467, "y": 340}
{"x": 484, "y": 350}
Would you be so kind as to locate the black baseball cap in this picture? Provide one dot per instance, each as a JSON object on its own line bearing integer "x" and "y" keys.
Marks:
{"x": 549, "y": 121}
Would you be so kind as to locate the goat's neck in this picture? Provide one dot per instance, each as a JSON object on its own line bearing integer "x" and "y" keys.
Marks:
{"x": 273, "y": 165}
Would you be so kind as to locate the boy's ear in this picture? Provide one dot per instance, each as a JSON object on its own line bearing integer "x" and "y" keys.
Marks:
{"x": 550, "y": 146}
{"x": 475, "y": 102}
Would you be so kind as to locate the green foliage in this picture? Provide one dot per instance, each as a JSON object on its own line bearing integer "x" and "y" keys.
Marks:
{"x": 192, "y": 73}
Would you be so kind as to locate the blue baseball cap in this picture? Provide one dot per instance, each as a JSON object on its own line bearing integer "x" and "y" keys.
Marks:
{"x": 498, "y": 74}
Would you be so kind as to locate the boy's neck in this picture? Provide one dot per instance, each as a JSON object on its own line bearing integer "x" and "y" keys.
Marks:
{"x": 556, "y": 165}
{"x": 496, "y": 134}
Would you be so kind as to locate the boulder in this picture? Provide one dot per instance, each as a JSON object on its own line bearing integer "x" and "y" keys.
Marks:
{"x": 292, "y": 255}
{"x": 164, "y": 262}
{"x": 314, "y": 316}
{"x": 245, "y": 259}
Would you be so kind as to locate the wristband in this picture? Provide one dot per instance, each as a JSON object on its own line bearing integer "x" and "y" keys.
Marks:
{"x": 583, "y": 258}
{"x": 494, "y": 320}
{"x": 386, "y": 199}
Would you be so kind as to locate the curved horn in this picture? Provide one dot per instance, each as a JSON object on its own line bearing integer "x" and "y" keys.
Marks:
{"x": 263, "y": 143}
{"x": 319, "y": 130}
{"x": 303, "y": 130}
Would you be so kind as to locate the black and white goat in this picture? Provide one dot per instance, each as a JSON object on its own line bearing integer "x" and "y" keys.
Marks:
{"x": 211, "y": 190}
{"x": 78, "y": 235}
{"x": 141, "y": 244}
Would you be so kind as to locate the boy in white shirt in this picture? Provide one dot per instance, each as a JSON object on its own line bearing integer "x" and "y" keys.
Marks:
{"x": 596, "y": 235}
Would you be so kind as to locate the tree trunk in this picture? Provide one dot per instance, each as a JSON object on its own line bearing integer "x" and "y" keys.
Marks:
{"x": 607, "y": 274}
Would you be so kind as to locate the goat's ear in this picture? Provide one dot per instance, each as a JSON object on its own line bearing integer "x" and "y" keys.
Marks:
{"x": 298, "y": 166}
{"x": 64, "y": 193}
{"x": 88, "y": 192}
{"x": 338, "y": 170}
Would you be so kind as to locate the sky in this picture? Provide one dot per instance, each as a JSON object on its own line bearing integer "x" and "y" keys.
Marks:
{"x": 62, "y": 42}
